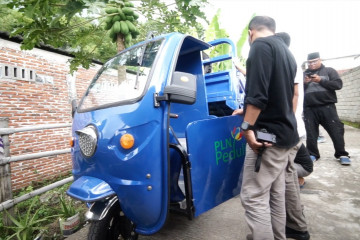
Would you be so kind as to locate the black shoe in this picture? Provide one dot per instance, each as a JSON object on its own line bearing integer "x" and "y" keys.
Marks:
{"x": 298, "y": 235}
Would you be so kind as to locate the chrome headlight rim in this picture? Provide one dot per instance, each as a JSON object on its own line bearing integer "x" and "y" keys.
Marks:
{"x": 88, "y": 138}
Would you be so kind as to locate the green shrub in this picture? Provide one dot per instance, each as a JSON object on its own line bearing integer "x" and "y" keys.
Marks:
{"x": 68, "y": 208}
{"x": 27, "y": 226}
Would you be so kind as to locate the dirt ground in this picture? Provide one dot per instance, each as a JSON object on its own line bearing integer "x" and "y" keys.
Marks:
{"x": 332, "y": 192}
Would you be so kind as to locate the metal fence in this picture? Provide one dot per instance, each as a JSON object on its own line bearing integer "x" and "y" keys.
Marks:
{"x": 6, "y": 196}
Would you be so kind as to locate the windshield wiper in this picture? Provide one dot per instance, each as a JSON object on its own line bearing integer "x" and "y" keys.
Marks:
{"x": 139, "y": 62}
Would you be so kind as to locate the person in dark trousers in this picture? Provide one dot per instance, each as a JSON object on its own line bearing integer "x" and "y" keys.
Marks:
{"x": 320, "y": 84}
{"x": 269, "y": 92}
{"x": 296, "y": 225}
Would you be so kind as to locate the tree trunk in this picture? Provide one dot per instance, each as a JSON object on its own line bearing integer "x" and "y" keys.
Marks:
{"x": 122, "y": 69}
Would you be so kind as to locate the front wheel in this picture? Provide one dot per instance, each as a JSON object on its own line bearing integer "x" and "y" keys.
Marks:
{"x": 115, "y": 225}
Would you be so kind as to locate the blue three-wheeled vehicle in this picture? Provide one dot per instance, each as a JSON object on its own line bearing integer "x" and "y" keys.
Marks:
{"x": 154, "y": 134}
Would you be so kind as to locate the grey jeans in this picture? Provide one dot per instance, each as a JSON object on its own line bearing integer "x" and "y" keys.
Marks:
{"x": 301, "y": 172}
{"x": 263, "y": 193}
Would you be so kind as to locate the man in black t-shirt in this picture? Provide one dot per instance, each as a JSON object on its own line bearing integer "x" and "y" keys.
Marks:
{"x": 269, "y": 89}
{"x": 296, "y": 226}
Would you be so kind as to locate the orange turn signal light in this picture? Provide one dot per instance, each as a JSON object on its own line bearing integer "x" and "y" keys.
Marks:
{"x": 127, "y": 141}
{"x": 71, "y": 142}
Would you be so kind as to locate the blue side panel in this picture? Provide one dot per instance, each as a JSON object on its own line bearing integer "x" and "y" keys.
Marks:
{"x": 217, "y": 151}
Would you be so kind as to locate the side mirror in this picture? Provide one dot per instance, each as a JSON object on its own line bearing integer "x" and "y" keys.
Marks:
{"x": 73, "y": 107}
{"x": 182, "y": 88}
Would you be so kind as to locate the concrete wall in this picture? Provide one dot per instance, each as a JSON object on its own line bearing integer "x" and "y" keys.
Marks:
{"x": 348, "y": 105}
{"x": 36, "y": 88}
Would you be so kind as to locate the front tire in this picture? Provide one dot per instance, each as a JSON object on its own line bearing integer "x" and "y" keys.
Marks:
{"x": 115, "y": 225}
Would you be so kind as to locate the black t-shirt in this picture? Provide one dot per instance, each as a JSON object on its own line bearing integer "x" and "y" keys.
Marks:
{"x": 270, "y": 72}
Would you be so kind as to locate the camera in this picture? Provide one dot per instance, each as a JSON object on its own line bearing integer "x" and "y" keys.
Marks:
{"x": 263, "y": 136}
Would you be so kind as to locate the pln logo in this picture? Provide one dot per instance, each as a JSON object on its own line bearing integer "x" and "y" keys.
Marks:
{"x": 236, "y": 133}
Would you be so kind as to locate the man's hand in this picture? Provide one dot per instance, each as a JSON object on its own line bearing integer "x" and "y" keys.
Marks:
{"x": 251, "y": 140}
{"x": 238, "y": 112}
{"x": 312, "y": 78}
{"x": 238, "y": 66}
{"x": 315, "y": 78}
{"x": 307, "y": 79}
{"x": 252, "y": 113}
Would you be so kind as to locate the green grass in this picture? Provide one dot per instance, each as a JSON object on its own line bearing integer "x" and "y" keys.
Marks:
{"x": 352, "y": 124}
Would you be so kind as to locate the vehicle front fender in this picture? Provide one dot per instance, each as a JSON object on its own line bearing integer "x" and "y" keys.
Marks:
{"x": 90, "y": 189}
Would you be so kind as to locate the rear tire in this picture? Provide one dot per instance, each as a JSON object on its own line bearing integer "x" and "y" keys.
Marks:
{"x": 112, "y": 227}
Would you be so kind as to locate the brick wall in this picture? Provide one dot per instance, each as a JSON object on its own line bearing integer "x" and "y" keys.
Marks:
{"x": 348, "y": 105}
{"x": 36, "y": 88}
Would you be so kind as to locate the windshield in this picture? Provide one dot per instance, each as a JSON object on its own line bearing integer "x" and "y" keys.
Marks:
{"x": 121, "y": 79}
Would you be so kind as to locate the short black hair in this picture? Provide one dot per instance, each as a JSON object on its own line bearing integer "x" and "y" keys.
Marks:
{"x": 260, "y": 22}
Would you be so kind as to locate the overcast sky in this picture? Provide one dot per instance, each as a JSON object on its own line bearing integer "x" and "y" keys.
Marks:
{"x": 330, "y": 27}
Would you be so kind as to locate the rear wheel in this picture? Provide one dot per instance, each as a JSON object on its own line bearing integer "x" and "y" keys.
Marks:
{"x": 115, "y": 225}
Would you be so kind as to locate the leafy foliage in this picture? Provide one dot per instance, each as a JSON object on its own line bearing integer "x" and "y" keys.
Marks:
{"x": 77, "y": 26}
{"x": 27, "y": 225}
{"x": 47, "y": 21}
{"x": 242, "y": 40}
{"x": 179, "y": 16}
{"x": 215, "y": 32}
{"x": 49, "y": 209}
{"x": 67, "y": 207}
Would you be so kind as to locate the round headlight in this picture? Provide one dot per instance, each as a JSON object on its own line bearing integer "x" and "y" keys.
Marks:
{"x": 87, "y": 140}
